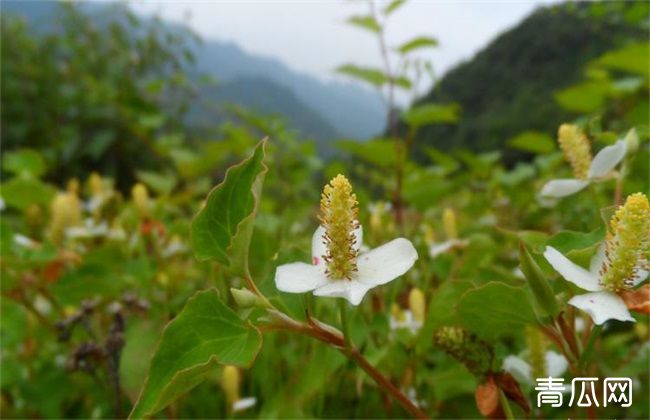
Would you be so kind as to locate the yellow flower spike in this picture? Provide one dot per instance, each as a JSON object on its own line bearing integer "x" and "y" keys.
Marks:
{"x": 95, "y": 184}
{"x": 429, "y": 235}
{"x": 537, "y": 345}
{"x": 628, "y": 243}
{"x": 449, "y": 223}
{"x": 338, "y": 216}
{"x": 576, "y": 148}
{"x": 66, "y": 213}
{"x": 73, "y": 186}
{"x": 140, "y": 197}
{"x": 230, "y": 380}
{"x": 417, "y": 304}
{"x": 397, "y": 313}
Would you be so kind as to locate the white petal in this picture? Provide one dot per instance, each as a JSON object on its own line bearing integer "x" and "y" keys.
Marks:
{"x": 244, "y": 403}
{"x": 571, "y": 271}
{"x": 602, "y": 306}
{"x": 437, "y": 249}
{"x": 387, "y": 262}
{"x": 556, "y": 364}
{"x": 318, "y": 248}
{"x": 299, "y": 277}
{"x": 352, "y": 290}
{"x": 563, "y": 187}
{"x": 519, "y": 368}
{"x": 607, "y": 159}
{"x": 597, "y": 260}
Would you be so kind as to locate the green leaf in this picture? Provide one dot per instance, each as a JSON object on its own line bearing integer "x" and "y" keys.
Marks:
{"x": 431, "y": 114}
{"x": 204, "y": 334}
{"x": 162, "y": 183}
{"x": 371, "y": 76}
{"x": 380, "y": 152}
{"x": 393, "y": 6}
{"x": 583, "y": 97}
{"x": 365, "y": 22}
{"x": 495, "y": 309}
{"x": 20, "y": 192}
{"x": 416, "y": 44}
{"x": 568, "y": 240}
{"x": 222, "y": 230}
{"x": 24, "y": 162}
{"x": 632, "y": 58}
{"x": 533, "y": 141}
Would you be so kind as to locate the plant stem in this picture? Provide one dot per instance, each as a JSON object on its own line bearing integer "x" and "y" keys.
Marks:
{"x": 589, "y": 347}
{"x": 344, "y": 322}
{"x": 383, "y": 382}
{"x": 505, "y": 405}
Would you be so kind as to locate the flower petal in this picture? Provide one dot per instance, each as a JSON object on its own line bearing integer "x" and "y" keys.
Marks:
{"x": 556, "y": 364}
{"x": 352, "y": 290}
{"x": 571, "y": 271}
{"x": 299, "y": 277}
{"x": 518, "y": 368}
{"x": 437, "y": 249}
{"x": 602, "y": 306}
{"x": 387, "y": 262}
{"x": 639, "y": 276}
{"x": 318, "y": 247}
{"x": 243, "y": 404}
{"x": 563, "y": 187}
{"x": 598, "y": 260}
{"x": 607, "y": 159}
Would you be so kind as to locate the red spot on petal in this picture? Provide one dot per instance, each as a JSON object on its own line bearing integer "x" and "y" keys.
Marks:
{"x": 315, "y": 260}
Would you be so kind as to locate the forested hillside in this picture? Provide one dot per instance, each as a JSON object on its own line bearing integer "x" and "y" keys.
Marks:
{"x": 509, "y": 87}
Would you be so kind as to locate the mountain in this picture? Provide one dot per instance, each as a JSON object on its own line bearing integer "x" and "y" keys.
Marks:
{"x": 261, "y": 95}
{"x": 508, "y": 87}
{"x": 327, "y": 109}
{"x": 353, "y": 111}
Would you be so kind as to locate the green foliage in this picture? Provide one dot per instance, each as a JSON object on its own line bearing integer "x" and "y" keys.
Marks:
{"x": 416, "y": 44}
{"x": 371, "y": 76}
{"x": 205, "y": 333}
{"x": 222, "y": 230}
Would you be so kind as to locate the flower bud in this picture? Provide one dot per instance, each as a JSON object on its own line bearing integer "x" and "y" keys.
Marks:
{"x": 66, "y": 213}
{"x": 449, "y": 223}
{"x": 417, "y": 304}
{"x": 477, "y": 355}
{"x": 632, "y": 142}
{"x": 537, "y": 344}
{"x": 541, "y": 289}
{"x": 230, "y": 380}
{"x": 244, "y": 297}
{"x": 140, "y": 197}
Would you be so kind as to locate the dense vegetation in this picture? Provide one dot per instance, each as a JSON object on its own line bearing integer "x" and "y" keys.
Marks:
{"x": 155, "y": 270}
{"x": 510, "y": 87}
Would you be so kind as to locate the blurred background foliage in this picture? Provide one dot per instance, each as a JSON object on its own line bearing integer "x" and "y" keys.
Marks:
{"x": 96, "y": 99}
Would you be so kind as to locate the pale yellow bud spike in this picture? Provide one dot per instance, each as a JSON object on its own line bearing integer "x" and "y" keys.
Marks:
{"x": 230, "y": 382}
{"x": 140, "y": 197}
{"x": 576, "y": 148}
{"x": 339, "y": 218}
{"x": 66, "y": 212}
{"x": 417, "y": 304}
{"x": 429, "y": 235}
{"x": 628, "y": 243}
{"x": 95, "y": 184}
{"x": 449, "y": 223}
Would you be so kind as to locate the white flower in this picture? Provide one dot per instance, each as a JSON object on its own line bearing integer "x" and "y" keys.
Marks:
{"x": 601, "y": 304}
{"x": 556, "y": 364}
{"x": 374, "y": 267}
{"x": 602, "y": 164}
{"x": 437, "y": 249}
{"x": 243, "y": 404}
{"x": 404, "y": 319}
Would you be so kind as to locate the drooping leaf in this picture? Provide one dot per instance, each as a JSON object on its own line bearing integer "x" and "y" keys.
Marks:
{"x": 495, "y": 309}
{"x": 416, "y": 44}
{"x": 24, "y": 162}
{"x": 393, "y": 6}
{"x": 372, "y": 76}
{"x": 431, "y": 114}
{"x": 222, "y": 230}
{"x": 204, "y": 334}
{"x": 583, "y": 97}
{"x": 365, "y": 22}
{"x": 533, "y": 141}
{"x": 632, "y": 58}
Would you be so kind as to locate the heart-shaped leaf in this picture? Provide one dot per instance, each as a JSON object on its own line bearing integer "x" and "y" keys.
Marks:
{"x": 222, "y": 230}
{"x": 206, "y": 333}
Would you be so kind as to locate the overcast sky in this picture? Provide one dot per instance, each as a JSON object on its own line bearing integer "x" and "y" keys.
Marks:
{"x": 311, "y": 35}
